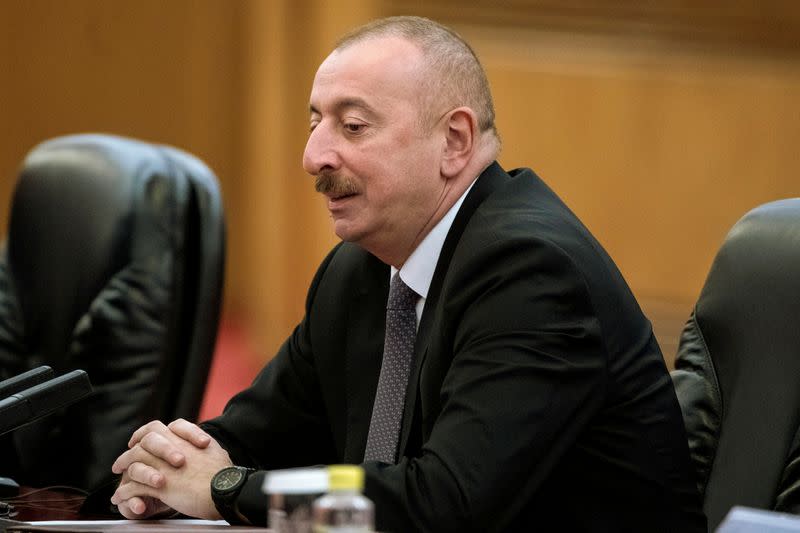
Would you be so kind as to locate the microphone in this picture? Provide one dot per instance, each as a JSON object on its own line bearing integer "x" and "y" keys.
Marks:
{"x": 42, "y": 399}
{"x": 27, "y": 379}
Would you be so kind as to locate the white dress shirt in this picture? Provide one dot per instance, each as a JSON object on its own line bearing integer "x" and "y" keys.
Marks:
{"x": 417, "y": 271}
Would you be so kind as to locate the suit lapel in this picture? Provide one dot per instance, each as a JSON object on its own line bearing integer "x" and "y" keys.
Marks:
{"x": 363, "y": 351}
{"x": 487, "y": 182}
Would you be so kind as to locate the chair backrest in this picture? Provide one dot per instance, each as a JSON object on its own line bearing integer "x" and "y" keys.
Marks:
{"x": 113, "y": 264}
{"x": 737, "y": 373}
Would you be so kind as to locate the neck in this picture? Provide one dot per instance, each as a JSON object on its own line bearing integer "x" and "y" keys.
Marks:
{"x": 452, "y": 190}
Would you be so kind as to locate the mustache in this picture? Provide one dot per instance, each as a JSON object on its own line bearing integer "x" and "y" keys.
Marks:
{"x": 335, "y": 184}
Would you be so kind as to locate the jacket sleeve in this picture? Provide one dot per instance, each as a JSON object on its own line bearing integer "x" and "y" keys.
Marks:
{"x": 280, "y": 420}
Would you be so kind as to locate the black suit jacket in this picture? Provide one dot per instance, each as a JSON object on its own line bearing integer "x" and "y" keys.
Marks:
{"x": 539, "y": 399}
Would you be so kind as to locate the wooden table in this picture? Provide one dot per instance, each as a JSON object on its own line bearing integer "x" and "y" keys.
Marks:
{"x": 64, "y": 504}
{"x": 54, "y": 503}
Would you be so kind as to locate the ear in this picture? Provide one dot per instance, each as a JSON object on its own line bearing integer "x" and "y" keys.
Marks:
{"x": 460, "y": 130}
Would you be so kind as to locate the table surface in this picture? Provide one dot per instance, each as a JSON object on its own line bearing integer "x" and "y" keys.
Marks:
{"x": 58, "y": 509}
{"x": 54, "y": 503}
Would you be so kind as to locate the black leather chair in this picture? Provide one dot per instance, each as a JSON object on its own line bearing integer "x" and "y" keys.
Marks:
{"x": 113, "y": 264}
{"x": 737, "y": 373}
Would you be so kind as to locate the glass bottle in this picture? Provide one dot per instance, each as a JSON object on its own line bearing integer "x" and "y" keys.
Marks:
{"x": 344, "y": 509}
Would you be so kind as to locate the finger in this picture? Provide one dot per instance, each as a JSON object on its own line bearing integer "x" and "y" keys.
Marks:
{"x": 138, "y": 508}
{"x": 129, "y": 489}
{"x": 124, "y": 461}
{"x": 146, "y": 475}
{"x": 132, "y": 509}
{"x": 138, "y": 454}
{"x": 191, "y": 432}
{"x": 153, "y": 426}
{"x": 162, "y": 447}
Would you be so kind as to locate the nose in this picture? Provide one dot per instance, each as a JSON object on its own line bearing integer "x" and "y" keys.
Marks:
{"x": 320, "y": 154}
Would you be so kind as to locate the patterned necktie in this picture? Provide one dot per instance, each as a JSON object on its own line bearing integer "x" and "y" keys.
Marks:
{"x": 398, "y": 352}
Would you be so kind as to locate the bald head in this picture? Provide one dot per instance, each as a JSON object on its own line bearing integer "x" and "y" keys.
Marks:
{"x": 452, "y": 75}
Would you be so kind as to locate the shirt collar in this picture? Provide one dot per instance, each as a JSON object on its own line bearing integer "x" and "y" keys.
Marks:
{"x": 417, "y": 271}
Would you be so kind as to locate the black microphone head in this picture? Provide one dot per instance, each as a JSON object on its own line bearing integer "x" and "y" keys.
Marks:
{"x": 25, "y": 380}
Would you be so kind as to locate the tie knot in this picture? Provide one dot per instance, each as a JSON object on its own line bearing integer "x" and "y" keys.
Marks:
{"x": 401, "y": 296}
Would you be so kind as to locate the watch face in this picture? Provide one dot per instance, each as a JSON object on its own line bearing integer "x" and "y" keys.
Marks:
{"x": 228, "y": 478}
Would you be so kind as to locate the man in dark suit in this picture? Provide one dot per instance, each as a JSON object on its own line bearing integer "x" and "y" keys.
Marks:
{"x": 536, "y": 396}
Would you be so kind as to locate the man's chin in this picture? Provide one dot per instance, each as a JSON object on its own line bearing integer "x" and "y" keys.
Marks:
{"x": 345, "y": 231}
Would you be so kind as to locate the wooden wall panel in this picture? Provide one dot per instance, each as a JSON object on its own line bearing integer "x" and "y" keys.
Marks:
{"x": 768, "y": 25}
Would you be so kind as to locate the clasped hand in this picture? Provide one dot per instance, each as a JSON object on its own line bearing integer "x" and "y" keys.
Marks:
{"x": 168, "y": 467}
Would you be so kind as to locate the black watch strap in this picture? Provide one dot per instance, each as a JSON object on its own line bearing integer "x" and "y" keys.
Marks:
{"x": 224, "y": 493}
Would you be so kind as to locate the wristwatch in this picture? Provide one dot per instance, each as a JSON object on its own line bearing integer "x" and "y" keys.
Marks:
{"x": 225, "y": 488}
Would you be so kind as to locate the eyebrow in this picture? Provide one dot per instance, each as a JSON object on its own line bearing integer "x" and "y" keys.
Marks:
{"x": 346, "y": 103}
